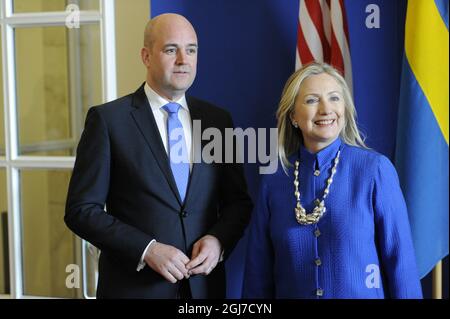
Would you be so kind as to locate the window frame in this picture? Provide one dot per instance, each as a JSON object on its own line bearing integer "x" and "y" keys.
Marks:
{"x": 13, "y": 162}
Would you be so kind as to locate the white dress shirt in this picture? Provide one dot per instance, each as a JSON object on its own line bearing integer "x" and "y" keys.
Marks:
{"x": 156, "y": 104}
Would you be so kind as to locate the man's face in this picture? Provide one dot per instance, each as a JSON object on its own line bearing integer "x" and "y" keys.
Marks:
{"x": 172, "y": 58}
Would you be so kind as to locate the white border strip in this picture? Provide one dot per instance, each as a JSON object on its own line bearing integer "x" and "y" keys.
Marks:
{"x": 12, "y": 173}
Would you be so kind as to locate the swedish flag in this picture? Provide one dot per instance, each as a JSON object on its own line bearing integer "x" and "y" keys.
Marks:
{"x": 422, "y": 136}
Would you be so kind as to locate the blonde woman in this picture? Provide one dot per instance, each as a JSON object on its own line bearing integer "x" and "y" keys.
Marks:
{"x": 332, "y": 221}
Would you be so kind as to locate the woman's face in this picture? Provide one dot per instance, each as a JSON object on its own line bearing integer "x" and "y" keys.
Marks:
{"x": 319, "y": 111}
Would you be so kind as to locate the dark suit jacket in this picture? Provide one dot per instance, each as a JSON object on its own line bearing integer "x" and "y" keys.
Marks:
{"x": 121, "y": 162}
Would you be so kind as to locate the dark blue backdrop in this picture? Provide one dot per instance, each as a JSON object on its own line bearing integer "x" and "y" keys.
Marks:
{"x": 247, "y": 52}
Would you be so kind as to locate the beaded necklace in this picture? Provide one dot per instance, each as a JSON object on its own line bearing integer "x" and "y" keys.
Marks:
{"x": 301, "y": 215}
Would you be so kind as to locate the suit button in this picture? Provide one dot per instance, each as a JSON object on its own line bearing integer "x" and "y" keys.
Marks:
{"x": 184, "y": 214}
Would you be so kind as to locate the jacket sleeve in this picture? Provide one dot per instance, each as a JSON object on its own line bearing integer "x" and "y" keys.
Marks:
{"x": 88, "y": 191}
{"x": 393, "y": 234}
{"x": 258, "y": 275}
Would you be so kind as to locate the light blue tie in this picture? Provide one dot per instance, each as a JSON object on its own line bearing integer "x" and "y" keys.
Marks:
{"x": 179, "y": 159}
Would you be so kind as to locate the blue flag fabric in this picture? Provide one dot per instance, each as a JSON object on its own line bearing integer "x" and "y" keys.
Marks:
{"x": 422, "y": 132}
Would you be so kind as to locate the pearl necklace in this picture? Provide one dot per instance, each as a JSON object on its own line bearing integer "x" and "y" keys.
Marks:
{"x": 300, "y": 212}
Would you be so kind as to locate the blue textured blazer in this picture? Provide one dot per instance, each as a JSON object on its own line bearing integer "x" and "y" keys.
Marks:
{"x": 362, "y": 246}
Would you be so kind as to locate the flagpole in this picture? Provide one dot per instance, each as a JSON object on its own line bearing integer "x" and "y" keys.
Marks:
{"x": 437, "y": 281}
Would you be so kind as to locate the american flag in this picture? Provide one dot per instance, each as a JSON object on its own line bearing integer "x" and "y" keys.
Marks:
{"x": 323, "y": 35}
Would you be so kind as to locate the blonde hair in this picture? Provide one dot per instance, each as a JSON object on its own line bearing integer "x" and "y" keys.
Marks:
{"x": 289, "y": 139}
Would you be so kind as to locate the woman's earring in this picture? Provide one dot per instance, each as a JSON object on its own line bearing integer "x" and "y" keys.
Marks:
{"x": 295, "y": 124}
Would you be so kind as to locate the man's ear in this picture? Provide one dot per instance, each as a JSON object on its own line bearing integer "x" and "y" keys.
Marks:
{"x": 145, "y": 56}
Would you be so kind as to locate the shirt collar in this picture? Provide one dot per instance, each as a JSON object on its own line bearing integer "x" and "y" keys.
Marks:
{"x": 322, "y": 158}
{"x": 156, "y": 101}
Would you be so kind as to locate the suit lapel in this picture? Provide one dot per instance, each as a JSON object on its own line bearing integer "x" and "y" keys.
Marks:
{"x": 143, "y": 116}
{"x": 197, "y": 146}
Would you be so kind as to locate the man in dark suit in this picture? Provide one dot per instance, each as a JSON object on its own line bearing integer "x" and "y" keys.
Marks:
{"x": 169, "y": 218}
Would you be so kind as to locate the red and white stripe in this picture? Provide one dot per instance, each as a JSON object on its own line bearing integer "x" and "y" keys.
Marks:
{"x": 323, "y": 35}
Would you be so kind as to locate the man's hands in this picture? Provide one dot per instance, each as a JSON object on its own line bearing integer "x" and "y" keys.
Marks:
{"x": 173, "y": 264}
{"x": 168, "y": 261}
{"x": 205, "y": 255}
